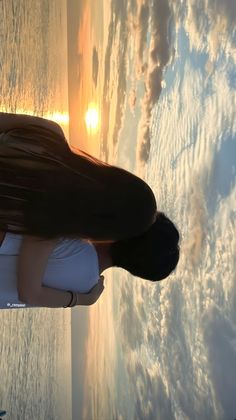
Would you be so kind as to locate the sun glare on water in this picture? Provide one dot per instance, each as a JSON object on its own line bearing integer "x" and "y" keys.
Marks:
{"x": 92, "y": 119}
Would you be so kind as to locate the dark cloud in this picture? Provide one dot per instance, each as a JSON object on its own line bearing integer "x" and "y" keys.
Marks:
{"x": 142, "y": 28}
{"x": 144, "y": 143}
{"x": 152, "y": 94}
{"x": 159, "y": 56}
{"x": 118, "y": 16}
{"x": 121, "y": 88}
{"x": 225, "y": 8}
{"x": 160, "y": 16}
{"x": 105, "y": 100}
{"x": 95, "y": 66}
{"x": 153, "y": 86}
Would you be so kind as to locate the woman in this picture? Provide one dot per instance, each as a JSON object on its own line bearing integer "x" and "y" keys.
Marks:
{"x": 48, "y": 191}
{"x": 79, "y": 264}
{"x": 73, "y": 264}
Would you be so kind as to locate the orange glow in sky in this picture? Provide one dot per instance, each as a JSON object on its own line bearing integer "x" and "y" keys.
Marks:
{"x": 92, "y": 119}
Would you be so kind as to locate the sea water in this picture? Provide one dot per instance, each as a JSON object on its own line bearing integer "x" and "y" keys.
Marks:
{"x": 35, "y": 344}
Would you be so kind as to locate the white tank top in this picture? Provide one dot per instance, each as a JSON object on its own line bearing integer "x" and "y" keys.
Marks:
{"x": 73, "y": 265}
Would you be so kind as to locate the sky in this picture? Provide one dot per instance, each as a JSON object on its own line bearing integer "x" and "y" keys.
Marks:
{"x": 85, "y": 37}
{"x": 163, "y": 75}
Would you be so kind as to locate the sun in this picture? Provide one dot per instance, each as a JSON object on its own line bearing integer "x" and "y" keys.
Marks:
{"x": 92, "y": 119}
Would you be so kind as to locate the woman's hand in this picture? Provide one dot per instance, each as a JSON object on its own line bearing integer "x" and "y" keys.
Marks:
{"x": 92, "y": 296}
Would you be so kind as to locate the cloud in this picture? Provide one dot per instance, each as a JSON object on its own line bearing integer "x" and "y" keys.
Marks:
{"x": 118, "y": 51}
{"x": 183, "y": 338}
{"x": 132, "y": 99}
{"x": 159, "y": 56}
{"x": 219, "y": 334}
{"x": 144, "y": 142}
{"x": 121, "y": 91}
{"x": 211, "y": 25}
{"x": 141, "y": 31}
{"x": 131, "y": 327}
{"x": 95, "y": 66}
{"x": 152, "y": 399}
{"x": 153, "y": 379}
{"x": 193, "y": 245}
{"x": 152, "y": 93}
{"x": 159, "y": 49}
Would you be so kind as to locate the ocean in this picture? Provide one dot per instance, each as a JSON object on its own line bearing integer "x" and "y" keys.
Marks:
{"x": 35, "y": 345}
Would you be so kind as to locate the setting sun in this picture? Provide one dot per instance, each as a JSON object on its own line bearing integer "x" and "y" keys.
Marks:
{"x": 92, "y": 119}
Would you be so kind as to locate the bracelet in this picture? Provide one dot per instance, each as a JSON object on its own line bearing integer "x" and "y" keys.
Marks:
{"x": 74, "y": 302}
{"x": 71, "y": 300}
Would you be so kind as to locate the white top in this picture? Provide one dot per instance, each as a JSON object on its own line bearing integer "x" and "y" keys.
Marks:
{"x": 73, "y": 265}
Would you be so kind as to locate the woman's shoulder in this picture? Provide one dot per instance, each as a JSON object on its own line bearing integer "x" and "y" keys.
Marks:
{"x": 11, "y": 244}
{"x": 67, "y": 248}
{"x": 11, "y": 121}
{"x": 64, "y": 248}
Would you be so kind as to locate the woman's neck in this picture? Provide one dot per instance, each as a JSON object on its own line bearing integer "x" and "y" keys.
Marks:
{"x": 104, "y": 255}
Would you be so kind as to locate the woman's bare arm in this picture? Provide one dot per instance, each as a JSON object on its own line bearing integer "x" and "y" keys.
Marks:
{"x": 54, "y": 298}
{"x": 32, "y": 262}
{"x": 10, "y": 121}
